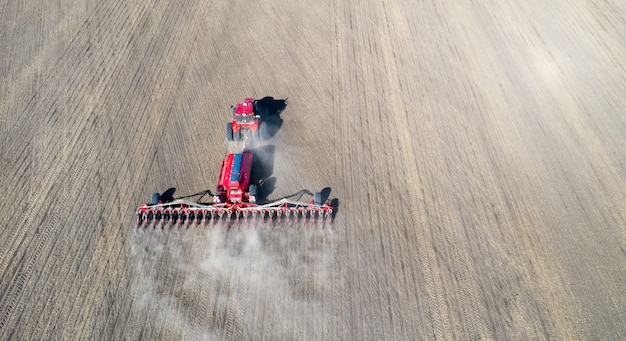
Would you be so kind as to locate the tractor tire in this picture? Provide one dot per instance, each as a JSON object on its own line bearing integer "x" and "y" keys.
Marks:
{"x": 255, "y": 107}
{"x": 317, "y": 198}
{"x": 236, "y": 135}
{"x": 264, "y": 133}
{"x": 253, "y": 191}
{"x": 229, "y": 132}
{"x": 156, "y": 197}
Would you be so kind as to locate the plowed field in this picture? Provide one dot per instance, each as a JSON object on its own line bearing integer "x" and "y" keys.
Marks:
{"x": 476, "y": 152}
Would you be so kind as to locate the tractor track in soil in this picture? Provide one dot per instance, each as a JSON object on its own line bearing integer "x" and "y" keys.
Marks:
{"x": 14, "y": 293}
{"x": 60, "y": 248}
{"x": 475, "y": 151}
{"x": 41, "y": 194}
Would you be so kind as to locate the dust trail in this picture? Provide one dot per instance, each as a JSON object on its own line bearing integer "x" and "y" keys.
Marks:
{"x": 233, "y": 282}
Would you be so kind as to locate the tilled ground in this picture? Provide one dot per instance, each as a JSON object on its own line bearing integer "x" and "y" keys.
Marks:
{"x": 476, "y": 152}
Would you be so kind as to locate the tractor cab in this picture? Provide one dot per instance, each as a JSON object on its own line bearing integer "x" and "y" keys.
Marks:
{"x": 244, "y": 112}
{"x": 244, "y": 118}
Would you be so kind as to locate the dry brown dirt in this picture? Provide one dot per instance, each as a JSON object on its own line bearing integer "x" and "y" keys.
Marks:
{"x": 477, "y": 151}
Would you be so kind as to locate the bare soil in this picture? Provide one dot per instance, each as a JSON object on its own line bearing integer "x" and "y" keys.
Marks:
{"x": 476, "y": 151}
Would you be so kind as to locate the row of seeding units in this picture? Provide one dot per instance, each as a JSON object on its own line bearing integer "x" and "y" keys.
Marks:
{"x": 234, "y": 200}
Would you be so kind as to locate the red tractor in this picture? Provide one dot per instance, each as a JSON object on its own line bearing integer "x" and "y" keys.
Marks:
{"x": 235, "y": 198}
{"x": 247, "y": 123}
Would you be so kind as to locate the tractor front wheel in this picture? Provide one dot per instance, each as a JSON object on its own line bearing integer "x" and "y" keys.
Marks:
{"x": 229, "y": 132}
{"x": 156, "y": 197}
{"x": 253, "y": 192}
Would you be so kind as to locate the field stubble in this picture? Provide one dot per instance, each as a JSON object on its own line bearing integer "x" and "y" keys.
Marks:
{"x": 476, "y": 153}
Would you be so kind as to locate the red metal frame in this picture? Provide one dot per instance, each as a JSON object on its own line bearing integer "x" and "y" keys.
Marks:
{"x": 186, "y": 212}
{"x": 234, "y": 182}
{"x": 233, "y": 199}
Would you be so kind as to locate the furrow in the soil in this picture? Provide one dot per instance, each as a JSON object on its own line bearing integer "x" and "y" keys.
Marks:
{"x": 475, "y": 151}
{"x": 173, "y": 323}
{"x": 421, "y": 219}
{"x": 456, "y": 245}
{"x": 100, "y": 264}
{"x": 110, "y": 310}
{"x": 14, "y": 241}
{"x": 232, "y": 308}
{"x": 157, "y": 304}
{"x": 111, "y": 258}
{"x": 350, "y": 212}
{"x": 241, "y": 322}
{"x": 160, "y": 277}
{"x": 257, "y": 310}
{"x": 15, "y": 292}
{"x": 70, "y": 264}
{"x": 54, "y": 33}
{"x": 122, "y": 302}
{"x": 141, "y": 164}
{"x": 361, "y": 284}
{"x": 82, "y": 231}
{"x": 212, "y": 282}
{"x": 398, "y": 252}
{"x": 221, "y": 302}
{"x": 39, "y": 106}
{"x": 24, "y": 236}
{"x": 24, "y": 281}
{"x": 204, "y": 279}
{"x": 140, "y": 285}
{"x": 73, "y": 176}
{"x": 141, "y": 134}
{"x": 466, "y": 283}
{"x": 336, "y": 326}
{"x": 184, "y": 54}
{"x": 313, "y": 292}
{"x": 271, "y": 323}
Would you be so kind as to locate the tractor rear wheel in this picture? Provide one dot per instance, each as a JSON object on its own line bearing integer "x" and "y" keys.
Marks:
{"x": 253, "y": 191}
{"x": 229, "y": 132}
{"x": 156, "y": 197}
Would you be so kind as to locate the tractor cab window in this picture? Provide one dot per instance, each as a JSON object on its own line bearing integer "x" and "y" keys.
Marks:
{"x": 244, "y": 118}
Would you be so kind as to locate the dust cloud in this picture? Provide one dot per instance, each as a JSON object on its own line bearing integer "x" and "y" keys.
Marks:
{"x": 233, "y": 282}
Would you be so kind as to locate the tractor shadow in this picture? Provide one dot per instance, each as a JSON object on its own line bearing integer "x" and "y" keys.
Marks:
{"x": 262, "y": 170}
{"x": 334, "y": 203}
{"x": 270, "y": 109}
{"x": 168, "y": 195}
